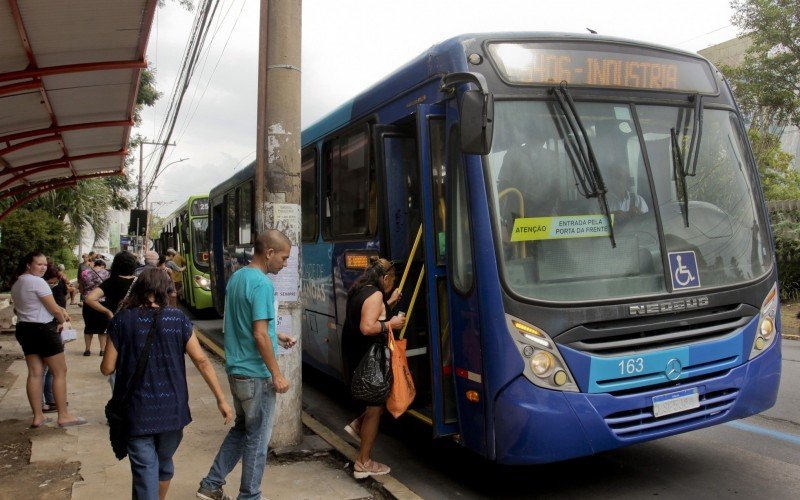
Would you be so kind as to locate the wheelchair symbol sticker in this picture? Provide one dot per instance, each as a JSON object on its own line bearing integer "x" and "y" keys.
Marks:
{"x": 683, "y": 268}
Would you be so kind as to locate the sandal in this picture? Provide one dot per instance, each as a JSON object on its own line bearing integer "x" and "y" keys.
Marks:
{"x": 370, "y": 468}
{"x": 87, "y": 353}
{"x": 49, "y": 408}
{"x": 354, "y": 429}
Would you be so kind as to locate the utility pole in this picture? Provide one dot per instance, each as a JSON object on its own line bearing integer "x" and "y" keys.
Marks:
{"x": 140, "y": 192}
{"x": 277, "y": 188}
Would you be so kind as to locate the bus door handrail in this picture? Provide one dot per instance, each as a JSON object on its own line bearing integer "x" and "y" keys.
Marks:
{"x": 405, "y": 275}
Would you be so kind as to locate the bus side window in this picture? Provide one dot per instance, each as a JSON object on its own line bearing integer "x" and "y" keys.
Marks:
{"x": 245, "y": 212}
{"x": 438, "y": 172}
{"x": 459, "y": 224}
{"x": 230, "y": 219}
{"x": 349, "y": 186}
{"x": 309, "y": 195}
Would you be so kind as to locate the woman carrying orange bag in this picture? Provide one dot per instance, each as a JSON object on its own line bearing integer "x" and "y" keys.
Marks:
{"x": 369, "y": 303}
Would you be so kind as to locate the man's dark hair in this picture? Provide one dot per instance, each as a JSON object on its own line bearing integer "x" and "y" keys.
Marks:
{"x": 124, "y": 264}
{"x": 271, "y": 239}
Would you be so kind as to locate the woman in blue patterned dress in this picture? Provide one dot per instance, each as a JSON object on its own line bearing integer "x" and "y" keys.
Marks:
{"x": 159, "y": 405}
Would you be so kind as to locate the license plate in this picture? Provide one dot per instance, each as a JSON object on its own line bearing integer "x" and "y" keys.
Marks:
{"x": 676, "y": 402}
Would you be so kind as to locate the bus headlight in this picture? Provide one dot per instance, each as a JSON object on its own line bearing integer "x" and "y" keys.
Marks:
{"x": 544, "y": 365}
{"x": 203, "y": 282}
{"x": 767, "y": 328}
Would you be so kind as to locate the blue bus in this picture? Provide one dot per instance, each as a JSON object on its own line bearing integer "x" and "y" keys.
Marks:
{"x": 598, "y": 264}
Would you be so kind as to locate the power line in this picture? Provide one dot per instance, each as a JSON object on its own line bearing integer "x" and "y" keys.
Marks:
{"x": 704, "y": 34}
{"x": 213, "y": 71}
{"x": 194, "y": 47}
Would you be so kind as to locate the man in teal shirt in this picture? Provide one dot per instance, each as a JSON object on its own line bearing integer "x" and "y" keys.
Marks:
{"x": 250, "y": 360}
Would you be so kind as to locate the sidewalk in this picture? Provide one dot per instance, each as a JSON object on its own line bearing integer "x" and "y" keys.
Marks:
{"x": 316, "y": 475}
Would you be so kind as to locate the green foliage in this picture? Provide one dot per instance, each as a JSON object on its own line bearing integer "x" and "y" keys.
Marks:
{"x": 767, "y": 83}
{"x": 25, "y": 231}
{"x": 780, "y": 181}
{"x": 156, "y": 225}
{"x": 786, "y": 230}
{"x": 147, "y": 95}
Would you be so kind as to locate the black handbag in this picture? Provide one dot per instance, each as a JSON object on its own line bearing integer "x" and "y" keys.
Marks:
{"x": 117, "y": 407}
{"x": 372, "y": 378}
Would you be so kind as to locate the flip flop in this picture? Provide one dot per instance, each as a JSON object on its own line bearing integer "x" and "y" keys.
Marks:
{"x": 46, "y": 420}
{"x": 73, "y": 423}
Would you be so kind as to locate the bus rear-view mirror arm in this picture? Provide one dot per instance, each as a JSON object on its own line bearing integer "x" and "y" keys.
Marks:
{"x": 476, "y": 110}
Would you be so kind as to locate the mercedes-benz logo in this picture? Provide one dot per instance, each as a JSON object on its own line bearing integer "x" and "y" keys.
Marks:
{"x": 673, "y": 369}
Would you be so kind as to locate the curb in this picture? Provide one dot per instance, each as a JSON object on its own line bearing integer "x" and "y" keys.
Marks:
{"x": 391, "y": 486}
{"x": 790, "y": 337}
{"x": 388, "y": 484}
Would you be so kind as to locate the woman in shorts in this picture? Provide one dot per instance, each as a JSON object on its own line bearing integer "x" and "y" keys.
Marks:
{"x": 38, "y": 332}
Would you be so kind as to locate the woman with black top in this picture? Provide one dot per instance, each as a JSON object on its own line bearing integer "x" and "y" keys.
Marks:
{"x": 114, "y": 289}
{"x": 366, "y": 322}
{"x": 95, "y": 323}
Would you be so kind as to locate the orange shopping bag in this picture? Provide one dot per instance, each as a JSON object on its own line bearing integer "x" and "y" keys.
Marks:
{"x": 403, "y": 391}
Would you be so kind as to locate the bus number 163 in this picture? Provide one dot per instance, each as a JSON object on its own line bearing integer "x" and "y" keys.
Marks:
{"x": 631, "y": 366}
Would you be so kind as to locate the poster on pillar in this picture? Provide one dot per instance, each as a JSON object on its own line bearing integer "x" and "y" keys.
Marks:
{"x": 285, "y": 217}
{"x": 284, "y": 325}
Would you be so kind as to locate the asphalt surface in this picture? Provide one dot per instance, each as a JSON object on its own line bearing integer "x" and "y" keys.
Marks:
{"x": 758, "y": 457}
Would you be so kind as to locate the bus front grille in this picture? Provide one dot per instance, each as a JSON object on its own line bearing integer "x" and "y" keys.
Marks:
{"x": 640, "y": 422}
{"x": 622, "y": 336}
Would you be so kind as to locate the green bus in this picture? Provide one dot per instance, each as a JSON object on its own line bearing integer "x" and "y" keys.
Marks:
{"x": 185, "y": 230}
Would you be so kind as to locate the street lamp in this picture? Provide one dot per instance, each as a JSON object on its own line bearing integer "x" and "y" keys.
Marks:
{"x": 160, "y": 171}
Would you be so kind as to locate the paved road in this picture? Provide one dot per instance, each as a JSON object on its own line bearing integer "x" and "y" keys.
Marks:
{"x": 754, "y": 458}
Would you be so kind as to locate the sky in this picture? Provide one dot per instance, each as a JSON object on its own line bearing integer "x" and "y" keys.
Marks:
{"x": 348, "y": 45}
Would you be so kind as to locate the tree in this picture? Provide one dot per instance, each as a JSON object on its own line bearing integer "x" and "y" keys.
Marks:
{"x": 767, "y": 83}
{"x": 24, "y": 231}
{"x": 767, "y": 86}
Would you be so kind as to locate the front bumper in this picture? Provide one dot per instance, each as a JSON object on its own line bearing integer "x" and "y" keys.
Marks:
{"x": 533, "y": 425}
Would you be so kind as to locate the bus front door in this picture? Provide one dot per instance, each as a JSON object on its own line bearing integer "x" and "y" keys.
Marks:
{"x": 431, "y": 150}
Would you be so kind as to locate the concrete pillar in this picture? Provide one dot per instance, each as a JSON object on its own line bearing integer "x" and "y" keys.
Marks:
{"x": 277, "y": 187}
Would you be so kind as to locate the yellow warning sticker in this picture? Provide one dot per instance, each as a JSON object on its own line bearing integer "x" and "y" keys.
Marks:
{"x": 553, "y": 228}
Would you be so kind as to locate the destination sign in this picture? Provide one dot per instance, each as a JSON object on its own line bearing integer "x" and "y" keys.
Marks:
{"x": 610, "y": 66}
{"x": 200, "y": 206}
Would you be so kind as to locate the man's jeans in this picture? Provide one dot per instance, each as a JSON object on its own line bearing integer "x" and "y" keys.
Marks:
{"x": 254, "y": 402}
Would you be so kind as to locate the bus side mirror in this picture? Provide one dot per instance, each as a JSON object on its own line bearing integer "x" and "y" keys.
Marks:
{"x": 477, "y": 122}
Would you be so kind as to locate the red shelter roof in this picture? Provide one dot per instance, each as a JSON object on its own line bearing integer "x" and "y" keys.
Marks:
{"x": 69, "y": 74}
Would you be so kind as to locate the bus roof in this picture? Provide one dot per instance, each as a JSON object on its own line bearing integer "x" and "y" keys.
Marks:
{"x": 440, "y": 59}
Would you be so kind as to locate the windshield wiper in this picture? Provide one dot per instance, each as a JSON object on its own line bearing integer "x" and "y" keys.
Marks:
{"x": 688, "y": 168}
{"x": 679, "y": 175}
{"x": 589, "y": 176}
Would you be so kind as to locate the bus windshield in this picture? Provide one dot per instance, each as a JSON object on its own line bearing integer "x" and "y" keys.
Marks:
{"x": 200, "y": 242}
{"x": 554, "y": 233}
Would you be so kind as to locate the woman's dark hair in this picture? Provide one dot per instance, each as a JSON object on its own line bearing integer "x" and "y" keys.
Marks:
{"x": 52, "y": 272}
{"x": 124, "y": 264}
{"x": 375, "y": 271}
{"x": 100, "y": 262}
{"x": 162, "y": 259}
{"x": 22, "y": 267}
{"x": 152, "y": 282}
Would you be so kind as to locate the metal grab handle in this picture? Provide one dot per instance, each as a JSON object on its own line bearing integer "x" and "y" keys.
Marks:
{"x": 413, "y": 300}
{"x": 410, "y": 256}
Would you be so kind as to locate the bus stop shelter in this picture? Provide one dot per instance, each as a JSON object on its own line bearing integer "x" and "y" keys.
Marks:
{"x": 69, "y": 76}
